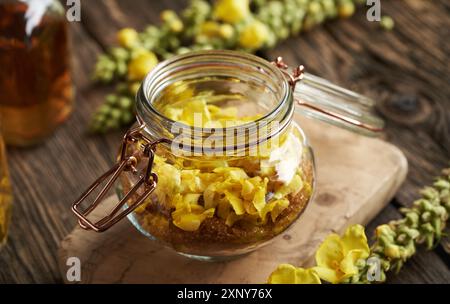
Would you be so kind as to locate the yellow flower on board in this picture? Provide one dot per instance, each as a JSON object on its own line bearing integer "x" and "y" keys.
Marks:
{"x": 288, "y": 274}
{"x": 337, "y": 256}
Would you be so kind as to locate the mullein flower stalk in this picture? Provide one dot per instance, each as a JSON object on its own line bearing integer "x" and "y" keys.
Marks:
{"x": 422, "y": 225}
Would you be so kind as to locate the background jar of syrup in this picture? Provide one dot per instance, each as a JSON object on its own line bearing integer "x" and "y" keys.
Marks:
{"x": 5, "y": 195}
{"x": 35, "y": 81}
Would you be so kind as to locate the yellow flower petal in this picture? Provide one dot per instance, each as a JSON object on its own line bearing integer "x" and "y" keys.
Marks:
{"x": 280, "y": 206}
{"x": 232, "y": 218}
{"x": 288, "y": 274}
{"x": 232, "y": 173}
{"x": 169, "y": 183}
{"x": 328, "y": 274}
{"x": 337, "y": 257}
{"x": 191, "y": 198}
{"x": 209, "y": 196}
{"x": 293, "y": 187}
{"x": 284, "y": 274}
{"x": 259, "y": 200}
{"x": 275, "y": 208}
{"x": 235, "y": 202}
{"x": 355, "y": 238}
{"x": 330, "y": 252}
{"x": 196, "y": 114}
{"x": 306, "y": 276}
{"x": 247, "y": 190}
{"x": 348, "y": 264}
{"x": 189, "y": 217}
{"x": 190, "y": 181}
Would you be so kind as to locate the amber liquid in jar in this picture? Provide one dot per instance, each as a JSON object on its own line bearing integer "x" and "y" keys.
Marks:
{"x": 35, "y": 81}
{"x": 5, "y": 195}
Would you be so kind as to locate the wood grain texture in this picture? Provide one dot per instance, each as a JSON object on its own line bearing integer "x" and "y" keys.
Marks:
{"x": 345, "y": 195}
{"x": 407, "y": 71}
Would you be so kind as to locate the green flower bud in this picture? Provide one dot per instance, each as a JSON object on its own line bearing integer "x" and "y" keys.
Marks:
{"x": 426, "y": 216}
{"x": 427, "y": 227}
{"x": 442, "y": 184}
{"x": 125, "y": 103}
{"x": 387, "y": 23}
{"x": 120, "y": 53}
{"x": 111, "y": 100}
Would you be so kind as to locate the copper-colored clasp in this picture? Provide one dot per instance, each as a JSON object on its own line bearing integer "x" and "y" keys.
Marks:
{"x": 126, "y": 163}
{"x": 297, "y": 73}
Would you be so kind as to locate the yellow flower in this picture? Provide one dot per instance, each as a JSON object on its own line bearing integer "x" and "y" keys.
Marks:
{"x": 346, "y": 9}
{"x": 171, "y": 18}
{"x": 209, "y": 28}
{"x": 140, "y": 66}
{"x": 212, "y": 29}
{"x": 337, "y": 256}
{"x": 188, "y": 216}
{"x": 231, "y": 11}
{"x": 226, "y": 31}
{"x": 288, "y": 274}
{"x": 254, "y": 35}
{"x": 127, "y": 37}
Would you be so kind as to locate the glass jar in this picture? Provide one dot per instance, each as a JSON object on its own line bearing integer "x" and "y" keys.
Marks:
{"x": 35, "y": 81}
{"x": 216, "y": 167}
{"x": 5, "y": 195}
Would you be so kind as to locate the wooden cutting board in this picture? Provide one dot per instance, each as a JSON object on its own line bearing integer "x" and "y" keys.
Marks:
{"x": 356, "y": 178}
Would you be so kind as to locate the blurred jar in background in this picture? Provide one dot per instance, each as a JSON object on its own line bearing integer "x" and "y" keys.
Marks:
{"x": 5, "y": 194}
{"x": 35, "y": 81}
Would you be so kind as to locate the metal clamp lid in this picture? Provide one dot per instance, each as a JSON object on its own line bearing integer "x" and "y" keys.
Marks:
{"x": 126, "y": 162}
{"x": 320, "y": 99}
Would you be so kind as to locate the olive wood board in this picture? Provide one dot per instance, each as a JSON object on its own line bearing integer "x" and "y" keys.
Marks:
{"x": 356, "y": 178}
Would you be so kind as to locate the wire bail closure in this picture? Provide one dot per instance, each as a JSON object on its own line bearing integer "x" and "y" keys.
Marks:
{"x": 297, "y": 75}
{"x": 148, "y": 181}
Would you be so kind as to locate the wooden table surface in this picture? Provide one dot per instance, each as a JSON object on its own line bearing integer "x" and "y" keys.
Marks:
{"x": 407, "y": 71}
